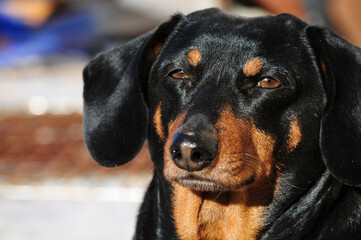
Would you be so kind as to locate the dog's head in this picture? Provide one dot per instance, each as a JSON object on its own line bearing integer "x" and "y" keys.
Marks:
{"x": 226, "y": 102}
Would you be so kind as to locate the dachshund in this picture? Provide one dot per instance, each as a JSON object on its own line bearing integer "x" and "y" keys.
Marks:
{"x": 253, "y": 127}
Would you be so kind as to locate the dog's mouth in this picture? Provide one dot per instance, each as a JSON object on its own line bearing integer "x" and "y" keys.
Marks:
{"x": 208, "y": 185}
{"x": 200, "y": 184}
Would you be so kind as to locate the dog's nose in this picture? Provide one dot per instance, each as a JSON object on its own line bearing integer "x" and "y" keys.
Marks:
{"x": 193, "y": 152}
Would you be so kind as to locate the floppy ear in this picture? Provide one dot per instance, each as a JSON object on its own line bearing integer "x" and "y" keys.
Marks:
{"x": 340, "y": 136}
{"x": 115, "y": 121}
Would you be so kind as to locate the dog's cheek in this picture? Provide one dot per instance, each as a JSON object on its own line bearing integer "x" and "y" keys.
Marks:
{"x": 232, "y": 165}
{"x": 245, "y": 152}
{"x": 264, "y": 145}
{"x": 294, "y": 136}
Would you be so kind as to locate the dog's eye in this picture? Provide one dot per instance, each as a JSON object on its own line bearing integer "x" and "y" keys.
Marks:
{"x": 179, "y": 74}
{"x": 268, "y": 83}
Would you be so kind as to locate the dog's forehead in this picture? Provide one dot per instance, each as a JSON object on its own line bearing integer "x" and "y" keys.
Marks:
{"x": 225, "y": 25}
{"x": 222, "y": 35}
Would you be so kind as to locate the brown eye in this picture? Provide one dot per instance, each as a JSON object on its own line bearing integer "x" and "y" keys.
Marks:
{"x": 179, "y": 74}
{"x": 268, "y": 83}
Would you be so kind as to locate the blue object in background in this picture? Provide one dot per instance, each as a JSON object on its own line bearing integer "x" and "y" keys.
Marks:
{"x": 13, "y": 28}
{"x": 70, "y": 31}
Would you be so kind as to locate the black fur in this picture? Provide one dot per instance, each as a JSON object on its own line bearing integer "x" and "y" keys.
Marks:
{"x": 340, "y": 135}
{"x": 320, "y": 76}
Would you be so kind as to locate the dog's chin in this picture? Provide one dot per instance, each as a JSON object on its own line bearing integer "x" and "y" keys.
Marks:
{"x": 202, "y": 185}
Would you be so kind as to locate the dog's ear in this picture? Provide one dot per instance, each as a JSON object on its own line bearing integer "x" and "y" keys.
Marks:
{"x": 115, "y": 121}
{"x": 340, "y": 135}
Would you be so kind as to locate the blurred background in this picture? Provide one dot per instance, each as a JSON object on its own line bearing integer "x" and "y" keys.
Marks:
{"x": 50, "y": 188}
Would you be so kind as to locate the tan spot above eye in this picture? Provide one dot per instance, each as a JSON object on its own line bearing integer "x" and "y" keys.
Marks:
{"x": 252, "y": 67}
{"x": 194, "y": 57}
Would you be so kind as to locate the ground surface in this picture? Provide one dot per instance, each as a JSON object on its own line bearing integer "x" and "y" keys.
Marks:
{"x": 50, "y": 188}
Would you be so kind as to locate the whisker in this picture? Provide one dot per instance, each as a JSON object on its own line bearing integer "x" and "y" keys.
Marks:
{"x": 248, "y": 160}
{"x": 246, "y": 154}
{"x": 219, "y": 194}
{"x": 294, "y": 186}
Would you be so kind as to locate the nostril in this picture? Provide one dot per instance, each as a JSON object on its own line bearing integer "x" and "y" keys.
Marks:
{"x": 176, "y": 154}
{"x": 197, "y": 156}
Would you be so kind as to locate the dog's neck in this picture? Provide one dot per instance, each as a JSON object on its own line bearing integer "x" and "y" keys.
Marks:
{"x": 296, "y": 220}
{"x": 221, "y": 215}
{"x": 244, "y": 214}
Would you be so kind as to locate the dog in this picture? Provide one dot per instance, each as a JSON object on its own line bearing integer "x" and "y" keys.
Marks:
{"x": 253, "y": 126}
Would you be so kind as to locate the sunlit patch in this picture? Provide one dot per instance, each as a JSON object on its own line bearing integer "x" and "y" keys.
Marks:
{"x": 38, "y": 105}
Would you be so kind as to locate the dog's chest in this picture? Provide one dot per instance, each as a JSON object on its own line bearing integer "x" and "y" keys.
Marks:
{"x": 215, "y": 216}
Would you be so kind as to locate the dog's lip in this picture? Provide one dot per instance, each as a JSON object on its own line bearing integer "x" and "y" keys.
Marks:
{"x": 207, "y": 185}
{"x": 200, "y": 184}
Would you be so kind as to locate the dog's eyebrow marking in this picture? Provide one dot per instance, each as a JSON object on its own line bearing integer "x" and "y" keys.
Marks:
{"x": 252, "y": 67}
{"x": 194, "y": 57}
{"x": 294, "y": 136}
{"x": 157, "y": 119}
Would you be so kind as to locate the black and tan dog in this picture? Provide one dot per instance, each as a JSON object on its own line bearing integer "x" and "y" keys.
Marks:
{"x": 253, "y": 126}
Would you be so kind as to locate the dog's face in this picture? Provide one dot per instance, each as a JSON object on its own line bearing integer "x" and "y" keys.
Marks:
{"x": 225, "y": 100}
{"x": 227, "y": 103}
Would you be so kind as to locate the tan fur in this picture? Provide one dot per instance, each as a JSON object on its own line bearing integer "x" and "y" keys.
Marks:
{"x": 295, "y": 135}
{"x": 264, "y": 145}
{"x": 212, "y": 215}
{"x": 236, "y": 215}
{"x": 157, "y": 49}
{"x": 194, "y": 57}
{"x": 234, "y": 140}
{"x": 186, "y": 205}
{"x": 236, "y": 212}
{"x": 323, "y": 68}
{"x": 154, "y": 53}
{"x": 157, "y": 120}
{"x": 252, "y": 67}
